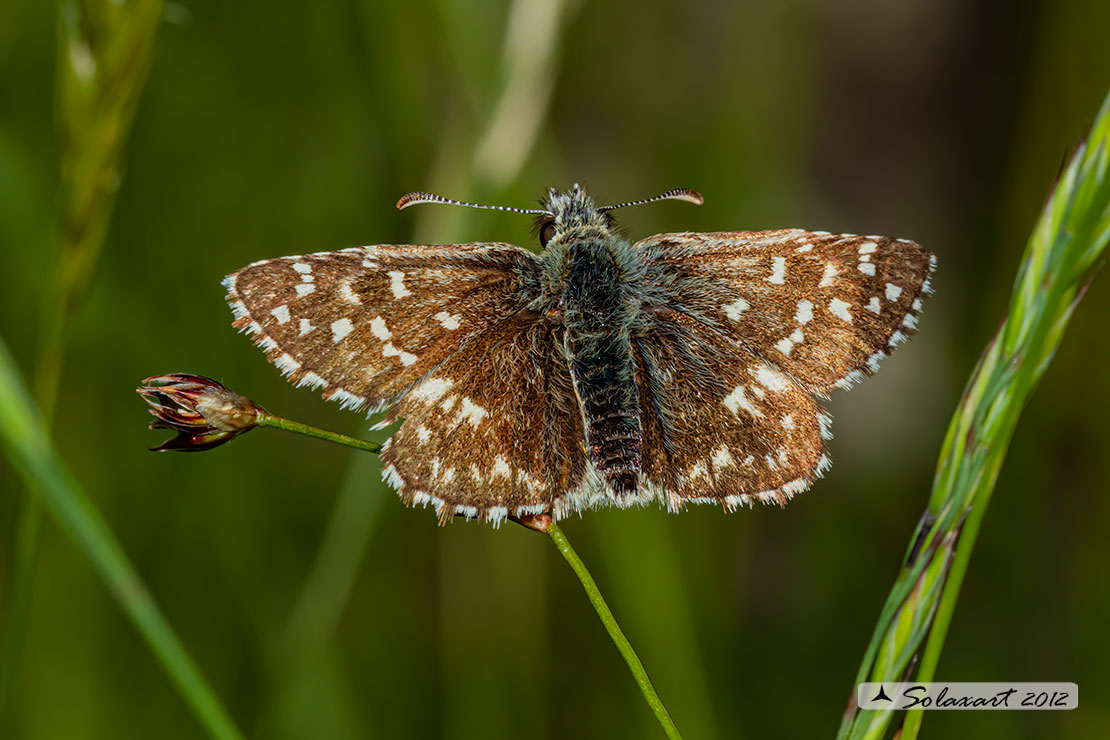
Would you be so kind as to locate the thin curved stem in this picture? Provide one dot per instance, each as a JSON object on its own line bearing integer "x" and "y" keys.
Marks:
{"x": 614, "y": 630}
{"x": 266, "y": 419}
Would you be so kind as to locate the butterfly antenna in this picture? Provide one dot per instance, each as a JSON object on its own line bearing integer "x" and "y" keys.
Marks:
{"x": 413, "y": 199}
{"x": 686, "y": 194}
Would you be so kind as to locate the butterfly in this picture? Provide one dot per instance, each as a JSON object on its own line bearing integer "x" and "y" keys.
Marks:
{"x": 682, "y": 368}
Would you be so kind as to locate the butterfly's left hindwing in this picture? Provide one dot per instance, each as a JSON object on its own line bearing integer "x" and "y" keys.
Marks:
{"x": 365, "y": 324}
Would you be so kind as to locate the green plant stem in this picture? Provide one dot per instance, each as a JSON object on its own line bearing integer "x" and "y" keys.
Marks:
{"x": 1069, "y": 238}
{"x": 103, "y": 55}
{"x": 614, "y": 630}
{"x": 24, "y": 439}
{"x": 561, "y": 543}
{"x": 266, "y": 419}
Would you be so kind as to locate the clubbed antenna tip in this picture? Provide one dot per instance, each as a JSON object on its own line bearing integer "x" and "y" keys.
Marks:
{"x": 413, "y": 199}
{"x": 686, "y": 194}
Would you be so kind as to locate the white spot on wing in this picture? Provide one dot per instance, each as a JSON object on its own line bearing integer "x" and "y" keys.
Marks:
{"x": 379, "y": 329}
{"x": 868, "y": 247}
{"x": 397, "y": 284}
{"x": 867, "y": 268}
{"x": 407, "y": 358}
{"x": 392, "y": 477}
{"x": 312, "y": 380}
{"x": 839, "y": 309}
{"x": 448, "y": 321}
{"x": 306, "y": 327}
{"x": 722, "y": 458}
{"x": 347, "y": 294}
{"x": 805, "y": 312}
{"x": 341, "y": 328}
{"x": 824, "y": 423}
{"x": 737, "y": 307}
{"x": 472, "y": 412}
{"x": 304, "y": 289}
{"x": 281, "y": 313}
{"x": 738, "y": 400}
{"x": 431, "y": 389}
{"x": 302, "y": 268}
{"x": 347, "y": 400}
{"x": 873, "y": 304}
{"x": 892, "y": 292}
{"x": 287, "y": 364}
{"x": 778, "y": 271}
{"x": 771, "y": 378}
{"x": 827, "y": 278}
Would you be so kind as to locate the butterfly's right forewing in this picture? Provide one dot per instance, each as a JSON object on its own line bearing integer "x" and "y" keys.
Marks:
{"x": 365, "y": 324}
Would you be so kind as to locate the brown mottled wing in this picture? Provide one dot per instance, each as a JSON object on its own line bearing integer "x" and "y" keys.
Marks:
{"x": 367, "y": 323}
{"x": 721, "y": 424}
{"x": 494, "y": 431}
{"x": 823, "y": 308}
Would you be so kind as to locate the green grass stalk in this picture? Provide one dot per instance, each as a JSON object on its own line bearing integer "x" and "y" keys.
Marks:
{"x": 26, "y": 442}
{"x": 103, "y": 57}
{"x": 1058, "y": 264}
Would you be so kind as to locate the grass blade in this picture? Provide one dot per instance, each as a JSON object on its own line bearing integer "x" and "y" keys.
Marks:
{"x": 25, "y": 442}
{"x": 1067, "y": 240}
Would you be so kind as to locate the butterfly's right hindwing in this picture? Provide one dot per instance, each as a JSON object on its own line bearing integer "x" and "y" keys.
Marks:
{"x": 365, "y": 324}
{"x": 495, "y": 431}
{"x": 720, "y": 423}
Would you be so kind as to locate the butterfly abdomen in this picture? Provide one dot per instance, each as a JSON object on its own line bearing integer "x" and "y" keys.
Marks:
{"x": 597, "y": 318}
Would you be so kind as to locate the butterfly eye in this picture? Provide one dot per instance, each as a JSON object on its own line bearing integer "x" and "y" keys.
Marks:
{"x": 547, "y": 230}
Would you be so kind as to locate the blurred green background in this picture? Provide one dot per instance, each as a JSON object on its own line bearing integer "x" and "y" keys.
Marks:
{"x": 268, "y": 129}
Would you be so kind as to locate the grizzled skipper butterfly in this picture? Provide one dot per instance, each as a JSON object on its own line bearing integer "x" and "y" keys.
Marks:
{"x": 682, "y": 368}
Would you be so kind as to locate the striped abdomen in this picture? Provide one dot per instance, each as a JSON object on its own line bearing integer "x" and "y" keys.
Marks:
{"x": 602, "y": 364}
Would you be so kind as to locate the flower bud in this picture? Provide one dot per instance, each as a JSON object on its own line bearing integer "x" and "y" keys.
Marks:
{"x": 203, "y": 412}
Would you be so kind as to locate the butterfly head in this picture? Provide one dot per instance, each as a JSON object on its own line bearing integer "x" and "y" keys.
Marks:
{"x": 572, "y": 213}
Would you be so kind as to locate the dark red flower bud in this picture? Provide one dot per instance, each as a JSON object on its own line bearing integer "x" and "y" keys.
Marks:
{"x": 203, "y": 412}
